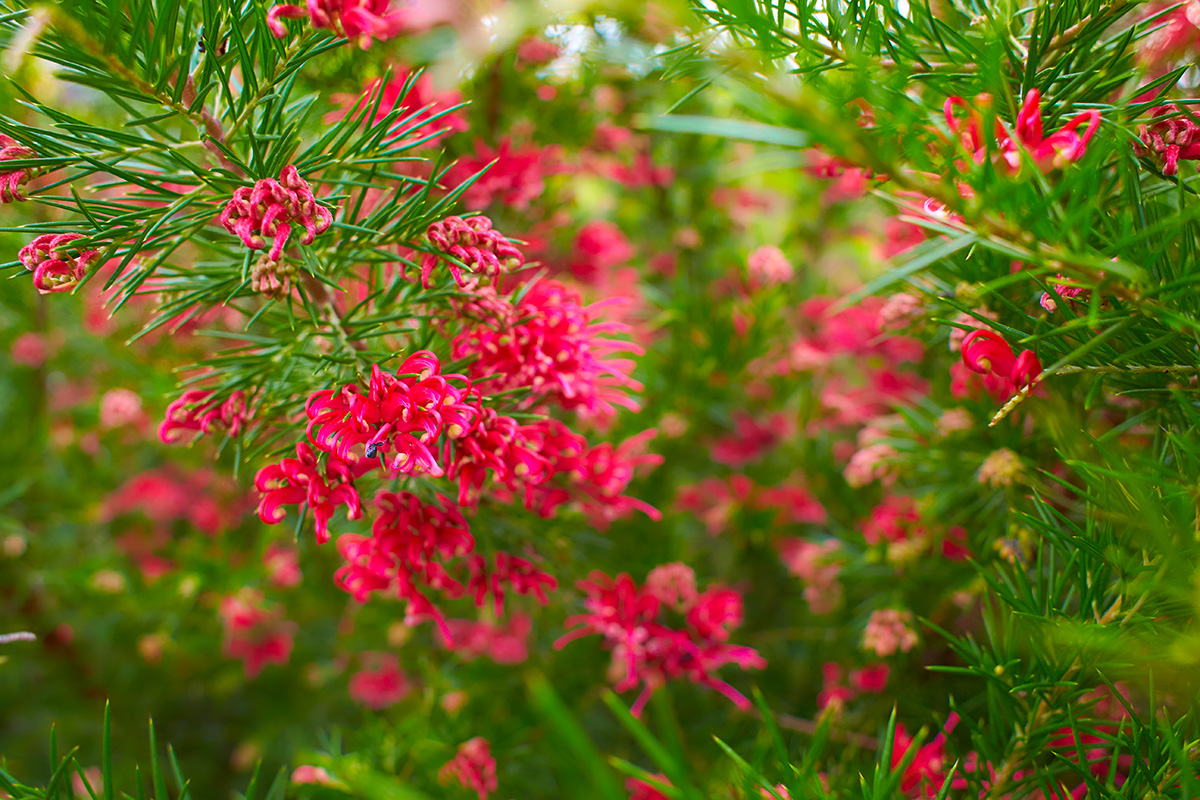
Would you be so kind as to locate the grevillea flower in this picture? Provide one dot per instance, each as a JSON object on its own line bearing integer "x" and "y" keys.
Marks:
{"x": 674, "y": 585}
{"x": 12, "y": 180}
{"x": 648, "y": 653}
{"x": 1171, "y": 136}
{"x": 271, "y": 208}
{"x": 503, "y": 644}
{"x": 515, "y": 176}
{"x": 925, "y": 774}
{"x": 1066, "y": 145}
{"x": 255, "y": 633}
{"x": 399, "y": 417}
{"x": 421, "y": 106}
{"x": 889, "y": 630}
{"x": 282, "y": 565}
{"x": 474, "y": 767}
{"x": 555, "y": 346}
{"x": 474, "y": 242}
{"x": 987, "y": 352}
{"x": 380, "y": 683}
{"x": 49, "y": 258}
{"x": 768, "y": 266}
{"x": 203, "y": 412}
{"x": 359, "y": 20}
{"x": 294, "y": 481}
{"x": 410, "y": 543}
{"x": 599, "y": 246}
{"x": 818, "y": 566}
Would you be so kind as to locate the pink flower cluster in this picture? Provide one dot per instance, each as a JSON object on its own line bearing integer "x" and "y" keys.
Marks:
{"x": 515, "y": 176}
{"x": 399, "y": 418}
{"x": 714, "y": 501}
{"x": 12, "y": 180}
{"x": 867, "y": 680}
{"x": 502, "y": 643}
{"x": 889, "y": 630}
{"x": 380, "y": 683}
{"x": 53, "y": 266}
{"x": 554, "y": 345}
{"x": 649, "y": 653}
{"x": 1067, "y": 144}
{"x": 421, "y": 105}
{"x": 1171, "y": 136}
{"x": 473, "y": 242}
{"x": 203, "y": 412}
{"x": 818, "y": 566}
{"x": 271, "y": 208}
{"x": 254, "y": 632}
{"x": 473, "y": 766}
{"x": 359, "y": 20}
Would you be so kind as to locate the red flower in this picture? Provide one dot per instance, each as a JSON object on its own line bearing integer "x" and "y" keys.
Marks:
{"x": 12, "y": 180}
{"x": 198, "y": 410}
{"x": 985, "y": 352}
{"x": 422, "y": 105}
{"x": 271, "y": 207}
{"x": 253, "y": 633}
{"x": 515, "y": 176}
{"x": 1171, "y": 136}
{"x": 1065, "y": 145}
{"x": 381, "y": 684}
{"x": 360, "y": 20}
{"x": 54, "y": 269}
{"x": 403, "y": 414}
{"x": 473, "y": 241}
{"x": 473, "y": 766}
{"x": 299, "y": 480}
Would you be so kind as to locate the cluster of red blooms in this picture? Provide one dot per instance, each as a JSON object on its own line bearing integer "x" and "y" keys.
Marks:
{"x": 503, "y": 644}
{"x": 255, "y": 633}
{"x": 551, "y": 343}
{"x": 515, "y": 176}
{"x": 421, "y": 105}
{"x": 380, "y": 683}
{"x": 49, "y": 257}
{"x": 1171, "y": 136}
{"x": 473, "y": 766}
{"x": 202, "y": 412}
{"x": 301, "y": 480}
{"x": 270, "y": 208}
{"x": 1065, "y": 145}
{"x": 647, "y": 652}
{"x": 12, "y": 180}
{"x": 475, "y": 243}
{"x": 360, "y": 20}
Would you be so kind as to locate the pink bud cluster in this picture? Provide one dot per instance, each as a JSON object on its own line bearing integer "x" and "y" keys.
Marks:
{"x": 553, "y": 345}
{"x": 1170, "y": 137}
{"x": 12, "y": 180}
{"x": 474, "y": 242}
{"x": 359, "y": 20}
{"x": 1066, "y": 145}
{"x": 648, "y": 652}
{"x": 203, "y": 412}
{"x": 49, "y": 258}
{"x": 255, "y": 633}
{"x": 271, "y": 208}
{"x": 985, "y": 351}
{"x": 473, "y": 766}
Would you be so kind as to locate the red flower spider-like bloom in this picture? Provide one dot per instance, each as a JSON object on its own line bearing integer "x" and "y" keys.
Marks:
{"x": 509, "y": 573}
{"x": 200, "y": 411}
{"x": 1066, "y": 145}
{"x": 409, "y": 545}
{"x": 473, "y": 766}
{"x": 380, "y": 683}
{"x": 299, "y": 480}
{"x": 360, "y": 20}
{"x": 12, "y": 180}
{"x": 474, "y": 242}
{"x": 270, "y": 208}
{"x": 648, "y": 652}
{"x": 515, "y": 176}
{"x": 1170, "y": 137}
{"x": 422, "y": 105}
{"x": 986, "y": 352}
{"x": 54, "y": 268}
{"x": 254, "y": 633}
{"x": 555, "y": 346}
{"x": 404, "y": 414}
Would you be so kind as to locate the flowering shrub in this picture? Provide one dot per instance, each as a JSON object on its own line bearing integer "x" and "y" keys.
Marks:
{"x": 683, "y": 400}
